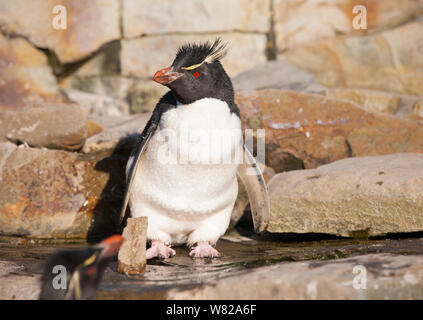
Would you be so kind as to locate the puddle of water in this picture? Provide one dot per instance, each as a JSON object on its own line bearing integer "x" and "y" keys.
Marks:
{"x": 239, "y": 255}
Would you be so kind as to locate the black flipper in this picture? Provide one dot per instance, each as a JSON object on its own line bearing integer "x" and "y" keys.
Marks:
{"x": 166, "y": 103}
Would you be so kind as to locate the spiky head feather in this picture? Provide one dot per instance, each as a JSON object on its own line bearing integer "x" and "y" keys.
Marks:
{"x": 192, "y": 55}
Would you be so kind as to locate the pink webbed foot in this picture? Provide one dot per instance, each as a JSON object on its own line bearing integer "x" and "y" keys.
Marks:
{"x": 160, "y": 250}
{"x": 204, "y": 250}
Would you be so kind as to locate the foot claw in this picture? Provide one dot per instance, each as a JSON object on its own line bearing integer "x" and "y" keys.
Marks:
{"x": 204, "y": 250}
{"x": 160, "y": 250}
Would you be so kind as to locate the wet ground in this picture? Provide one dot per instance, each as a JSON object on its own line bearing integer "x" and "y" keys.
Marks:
{"x": 240, "y": 253}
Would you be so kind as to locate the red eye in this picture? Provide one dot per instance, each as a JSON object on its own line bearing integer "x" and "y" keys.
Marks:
{"x": 90, "y": 271}
{"x": 196, "y": 74}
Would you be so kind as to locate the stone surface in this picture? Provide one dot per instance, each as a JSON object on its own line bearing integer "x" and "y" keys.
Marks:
{"x": 58, "y": 194}
{"x": 389, "y": 61}
{"x": 157, "y": 17}
{"x": 142, "y": 57}
{"x": 131, "y": 258}
{"x": 114, "y": 86}
{"x": 388, "y": 277}
{"x": 33, "y": 20}
{"x": 368, "y": 99}
{"x": 55, "y": 126}
{"x": 115, "y": 131}
{"x": 300, "y": 22}
{"x": 365, "y": 195}
{"x": 104, "y": 63}
{"x": 97, "y": 105}
{"x": 279, "y": 74}
{"x": 403, "y": 106}
{"x": 25, "y": 76}
{"x": 305, "y": 130}
{"x": 143, "y": 95}
{"x": 242, "y": 269}
{"x": 17, "y": 287}
{"x": 418, "y": 108}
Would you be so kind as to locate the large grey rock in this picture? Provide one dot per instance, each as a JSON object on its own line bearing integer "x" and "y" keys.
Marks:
{"x": 153, "y": 17}
{"x": 142, "y": 57}
{"x": 56, "y": 126}
{"x": 90, "y": 24}
{"x": 352, "y": 197}
{"x": 278, "y": 74}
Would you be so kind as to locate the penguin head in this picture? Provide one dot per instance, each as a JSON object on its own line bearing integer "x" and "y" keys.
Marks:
{"x": 197, "y": 73}
{"x": 76, "y": 274}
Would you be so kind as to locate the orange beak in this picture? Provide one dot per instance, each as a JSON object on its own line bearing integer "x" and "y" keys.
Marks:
{"x": 166, "y": 75}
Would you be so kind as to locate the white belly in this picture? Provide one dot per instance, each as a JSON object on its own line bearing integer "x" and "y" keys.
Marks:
{"x": 188, "y": 172}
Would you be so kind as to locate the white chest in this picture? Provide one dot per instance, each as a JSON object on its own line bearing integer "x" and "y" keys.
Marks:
{"x": 191, "y": 161}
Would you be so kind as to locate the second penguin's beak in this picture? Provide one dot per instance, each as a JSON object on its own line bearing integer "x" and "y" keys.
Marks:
{"x": 166, "y": 75}
{"x": 110, "y": 246}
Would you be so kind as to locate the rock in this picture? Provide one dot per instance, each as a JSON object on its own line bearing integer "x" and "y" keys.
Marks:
{"x": 114, "y": 86}
{"x": 93, "y": 128}
{"x": 194, "y": 16}
{"x": 388, "y": 276}
{"x": 142, "y": 57}
{"x": 389, "y": 61}
{"x": 116, "y": 131}
{"x": 25, "y": 76}
{"x": 34, "y": 19}
{"x": 100, "y": 76}
{"x": 404, "y": 106}
{"x": 418, "y": 108}
{"x": 113, "y": 95}
{"x": 305, "y": 131}
{"x": 17, "y": 287}
{"x": 105, "y": 62}
{"x": 279, "y": 74}
{"x": 144, "y": 95}
{"x": 300, "y": 22}
{"x": 97, "y": 105}
{"x": 367, "y": 196}
{"x": 55, "y": 126}
{"x": 58, "y": 194}
{"x": 368, "y": 99}
{"x": 131, "y": 258}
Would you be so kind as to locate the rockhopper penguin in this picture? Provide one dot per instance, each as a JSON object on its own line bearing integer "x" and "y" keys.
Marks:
{"x": 182, "y": 173}
{"x": 83, "y": 268}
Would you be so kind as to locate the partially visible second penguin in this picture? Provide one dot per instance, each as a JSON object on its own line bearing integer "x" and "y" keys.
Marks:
{"x": 182, "y": 173}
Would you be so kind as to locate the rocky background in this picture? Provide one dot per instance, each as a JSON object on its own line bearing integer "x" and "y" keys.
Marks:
{"x": 72, "y": 100}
